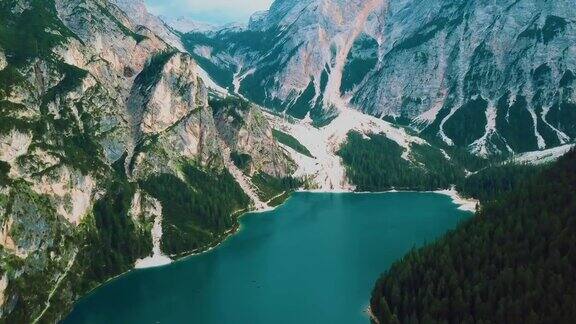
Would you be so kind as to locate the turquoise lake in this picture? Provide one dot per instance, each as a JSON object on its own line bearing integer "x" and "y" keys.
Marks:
{"x": 314, "y": 259}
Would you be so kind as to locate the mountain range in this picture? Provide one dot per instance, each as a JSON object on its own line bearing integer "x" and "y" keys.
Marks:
{"x": 98, "y": 114}
{"x": 493, "y": 78}
{"x": 127, "y": 140}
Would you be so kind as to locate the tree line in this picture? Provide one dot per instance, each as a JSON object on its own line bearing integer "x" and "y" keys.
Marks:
{"x": 514, "y": 262}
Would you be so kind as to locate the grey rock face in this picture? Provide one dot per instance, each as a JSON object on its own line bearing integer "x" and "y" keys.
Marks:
{"x": 440, "y": 57}
{"x": 3, "y": 61}
{"x": 290, "y": 56}
{"x": 246, "y": 131}
{"x": 95, "y": 108}
{"x": 509, "y": 65}
{"x": 166, "y": 91}
{"x": 136, "y": 10}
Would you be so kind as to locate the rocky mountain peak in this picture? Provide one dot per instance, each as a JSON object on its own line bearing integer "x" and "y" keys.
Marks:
{"x": 101, "y": 115}
{"x": 432, "y": 64}
{"x": 137, "y": 11}
{"x": 167, "y": 90}
{"x": 186, "y": 25}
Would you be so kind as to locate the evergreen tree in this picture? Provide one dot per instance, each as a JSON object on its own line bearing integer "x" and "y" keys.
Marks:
{"x": 513, "y": 262}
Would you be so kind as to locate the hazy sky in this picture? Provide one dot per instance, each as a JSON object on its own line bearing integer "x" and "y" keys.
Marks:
{"x": 212, "y": 11}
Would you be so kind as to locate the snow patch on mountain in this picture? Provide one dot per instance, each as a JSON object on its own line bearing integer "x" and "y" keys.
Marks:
{"x": 480, "y": 146}
{"x": 562, "y": 137}
{"x": 539, "y": 138}
{"x": 441, "y": 132}
{"x": 157, "y": 258}
{"x": 542, "y": 157}
{"x": 238, "y": 77}
{"x": 326, "y": 169}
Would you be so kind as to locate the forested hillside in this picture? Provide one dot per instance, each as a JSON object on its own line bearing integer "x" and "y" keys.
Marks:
{"x": 514, "y": 262}
{"x": 378, "y": 164}
{"x": 110, "y": 153}
{"x": 495, "y": 181}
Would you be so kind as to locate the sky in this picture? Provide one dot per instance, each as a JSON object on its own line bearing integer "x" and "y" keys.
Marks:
{"x": 211, "y": 11}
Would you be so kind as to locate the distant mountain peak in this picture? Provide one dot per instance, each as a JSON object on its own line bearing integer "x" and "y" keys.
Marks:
{"x": 257, "y": 19}
{"x": 186, "y": 24}
{"x": 138, "y": 13}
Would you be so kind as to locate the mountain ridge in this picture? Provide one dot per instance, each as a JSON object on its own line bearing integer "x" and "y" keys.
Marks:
{"x": 117, "y": 146}
{"x": 437, "y": 65}
{"x": 103, "y": 124}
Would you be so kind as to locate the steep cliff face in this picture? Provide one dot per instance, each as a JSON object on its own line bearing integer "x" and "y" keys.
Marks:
{"x": 166, "y": 91}
{"x": 138, "y": 13}
{"x": 289, "y": 58}
{"x": 248, "y": 133}
{"x": 493, "y": 78}
{"x": 58, "y": 111}
{"x": 102, "y": 125}
{"x": 142, "y": 19}
{"x": 170, "y": 117}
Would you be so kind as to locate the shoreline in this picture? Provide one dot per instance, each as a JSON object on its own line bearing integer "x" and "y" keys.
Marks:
{"x": 456, "y": 199}
{"x": 464, "y": 204}
{"x": 373, "y": 318}
{"x": 186, "y": 255}
{"x": 160, "y": 260}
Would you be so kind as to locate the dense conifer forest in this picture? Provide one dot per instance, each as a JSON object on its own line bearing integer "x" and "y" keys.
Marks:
{"x": 514, "y": 262}
{"x": 377, "y": 164}
{"x": 291, "y": 142}
{"x": 270, "y": 187}
{"x": 195, "y": 213}
{"x": 495, "y": 181}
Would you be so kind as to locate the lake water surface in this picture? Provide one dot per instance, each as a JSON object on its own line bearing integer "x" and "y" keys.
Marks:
{"x": 315, "y": 259}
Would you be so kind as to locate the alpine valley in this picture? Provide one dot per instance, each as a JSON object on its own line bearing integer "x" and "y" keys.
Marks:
{"x": 130, "y": 141}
